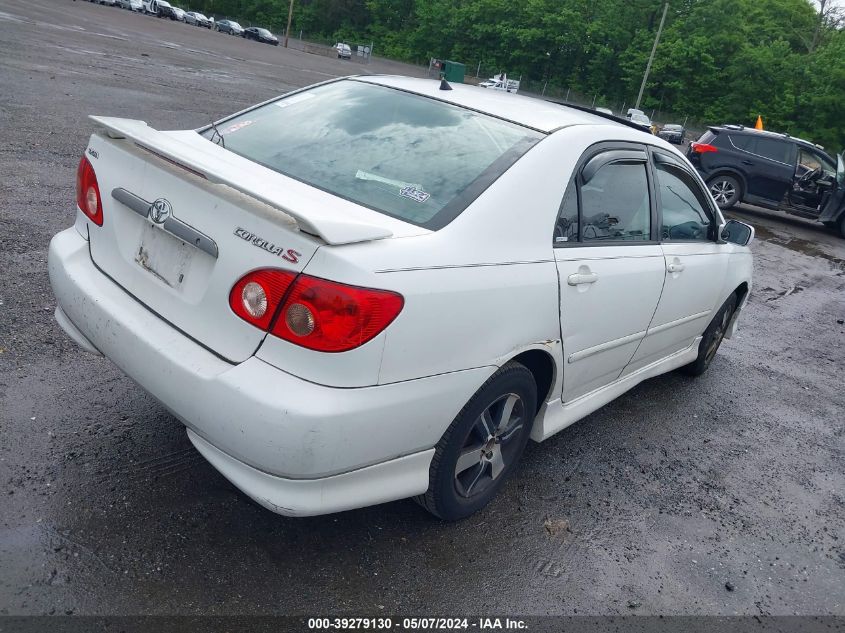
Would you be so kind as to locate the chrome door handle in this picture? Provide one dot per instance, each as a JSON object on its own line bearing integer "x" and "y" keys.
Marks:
{"x": 577, "y": 279}
{"x": 675, "y": 267}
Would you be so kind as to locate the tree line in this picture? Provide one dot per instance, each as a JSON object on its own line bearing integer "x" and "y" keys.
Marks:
{"x": 718, "y": 61}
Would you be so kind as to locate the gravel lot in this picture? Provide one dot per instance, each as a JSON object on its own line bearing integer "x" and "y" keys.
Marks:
{"x": 658, "y": 502}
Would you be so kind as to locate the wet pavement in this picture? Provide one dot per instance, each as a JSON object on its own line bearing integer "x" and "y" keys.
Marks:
{"x": 654, "y": 504}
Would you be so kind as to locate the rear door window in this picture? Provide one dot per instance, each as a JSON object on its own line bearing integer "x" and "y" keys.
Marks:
{"x": 743, "y": 142}
{"x": 615, "y": 204}
{"x": 566, "y": 228}
{"x": 773, "y": 149}
{"x": 608, "y": 203}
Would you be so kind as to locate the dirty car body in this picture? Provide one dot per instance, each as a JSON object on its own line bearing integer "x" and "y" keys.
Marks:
{"x": 486, "y": 264}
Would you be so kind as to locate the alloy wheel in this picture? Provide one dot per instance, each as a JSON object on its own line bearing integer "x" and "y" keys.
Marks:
{"x": 722, "y": 191}
{"x": 490, "y": 446}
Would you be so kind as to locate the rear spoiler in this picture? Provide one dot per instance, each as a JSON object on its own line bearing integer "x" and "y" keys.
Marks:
{"x": 220, "y": 170}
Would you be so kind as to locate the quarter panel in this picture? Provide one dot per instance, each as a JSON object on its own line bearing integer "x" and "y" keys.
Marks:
{"x": 459, "y": 318}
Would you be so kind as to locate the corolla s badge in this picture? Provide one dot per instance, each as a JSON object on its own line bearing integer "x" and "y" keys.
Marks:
{"x": 160, "y": 210}
{"x": 287, "y": 254}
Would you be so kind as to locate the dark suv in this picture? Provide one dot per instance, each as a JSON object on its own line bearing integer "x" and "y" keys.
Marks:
{"x": 771, "y": 170}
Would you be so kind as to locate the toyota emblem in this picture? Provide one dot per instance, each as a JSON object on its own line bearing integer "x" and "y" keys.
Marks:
{"x": 160, "y": 210}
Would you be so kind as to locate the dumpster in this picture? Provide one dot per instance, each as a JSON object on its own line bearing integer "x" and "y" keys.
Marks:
{"x": 448, "y": 70}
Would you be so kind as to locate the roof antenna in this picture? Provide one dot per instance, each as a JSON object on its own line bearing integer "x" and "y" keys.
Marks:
{"x": 444, "y": 85}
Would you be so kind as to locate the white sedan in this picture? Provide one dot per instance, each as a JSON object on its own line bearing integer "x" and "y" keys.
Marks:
{"x": 377, "y": 288}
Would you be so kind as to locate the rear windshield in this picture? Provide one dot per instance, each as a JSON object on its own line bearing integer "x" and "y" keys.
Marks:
{"x": 672, "y": 128}
{"x": 411, "y": 157}
{"x": 708, "y": 138}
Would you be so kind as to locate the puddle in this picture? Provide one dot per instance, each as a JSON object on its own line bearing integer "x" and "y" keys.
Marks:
{"x": 796, "y": 244}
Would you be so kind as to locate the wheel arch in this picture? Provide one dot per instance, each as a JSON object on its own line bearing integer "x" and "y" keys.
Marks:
{"x": 542, "y": 366}
{"x": 741, "y": 291}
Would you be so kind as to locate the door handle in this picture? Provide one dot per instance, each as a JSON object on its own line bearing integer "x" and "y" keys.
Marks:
{"x": 577, "y": 279}
{"x": 675, "y": 267}
{"x": 747, "y": 162}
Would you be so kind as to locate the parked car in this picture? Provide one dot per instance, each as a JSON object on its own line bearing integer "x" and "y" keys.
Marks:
{"x": 132, "y": 5}
{"x": 260, "y": 35}
{"x": 197, "y": 19}
{"x": 154, "y": 7}
{"x": 343, "y": 50}
{"x": 167, "y": 10}
{"x": 641, "y": 120}
{"x": 358, "y": 341}
{"x": 228, "y": 26}
{"x": 501, "y": 82}
{"x": 110, "y": 3}
{"x": 771, "y": 170}
{"x": 673, "y": 133}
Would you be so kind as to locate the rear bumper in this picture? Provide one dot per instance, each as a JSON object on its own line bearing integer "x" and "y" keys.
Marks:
{"x": 294, "y": 446}
{"x": 388, "y": 481}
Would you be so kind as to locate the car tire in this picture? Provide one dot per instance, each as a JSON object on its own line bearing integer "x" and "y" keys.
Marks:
{"x": 486, "y": 441}
{"x": 726, "y": 190}
{"x": 712, "y": 339}
{"x": 842, "y": 226}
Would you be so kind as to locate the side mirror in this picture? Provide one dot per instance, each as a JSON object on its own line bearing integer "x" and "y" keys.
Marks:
{"x": 737, "y": 232}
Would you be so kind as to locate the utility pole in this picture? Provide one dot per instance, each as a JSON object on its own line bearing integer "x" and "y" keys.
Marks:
{"x": 650, "y": 57}
{"x": 290, "y": 17}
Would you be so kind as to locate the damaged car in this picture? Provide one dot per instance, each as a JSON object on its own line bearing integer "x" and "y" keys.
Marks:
{"x": 771, "y": 170}
{"x": 479, "y": 271}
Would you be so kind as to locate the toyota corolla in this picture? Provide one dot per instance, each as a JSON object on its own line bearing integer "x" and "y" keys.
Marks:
{"x": 380, "y": 287}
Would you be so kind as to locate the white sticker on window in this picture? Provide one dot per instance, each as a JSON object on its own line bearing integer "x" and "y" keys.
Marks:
{"x": 294, "y": 99}
{"x": 417, "y": 195}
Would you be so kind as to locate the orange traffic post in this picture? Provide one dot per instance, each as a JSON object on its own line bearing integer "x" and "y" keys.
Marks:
{"x": 759, "y": 124}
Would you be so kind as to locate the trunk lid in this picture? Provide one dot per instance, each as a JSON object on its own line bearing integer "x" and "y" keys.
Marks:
{"x": 184, "y": 220}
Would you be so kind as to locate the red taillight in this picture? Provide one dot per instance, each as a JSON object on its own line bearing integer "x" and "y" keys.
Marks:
{"x": 88, "y": 192}
{"x": 257, "y": 295}
{"x": 331, "y": 317}
{"x": 318, "y": 314}
{"x": 702, "y": 148}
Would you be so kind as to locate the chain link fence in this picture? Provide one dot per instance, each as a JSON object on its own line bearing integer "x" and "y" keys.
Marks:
{"x": 360, "y": 52}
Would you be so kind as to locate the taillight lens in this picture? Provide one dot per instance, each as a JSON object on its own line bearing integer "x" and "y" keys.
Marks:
{"x": 257, "y": 295}
{"x": 315, "y": 313}
{"x": 88, "y": 192}
{"x": 332, "y": 317}
{"x": 703, "y": 148}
